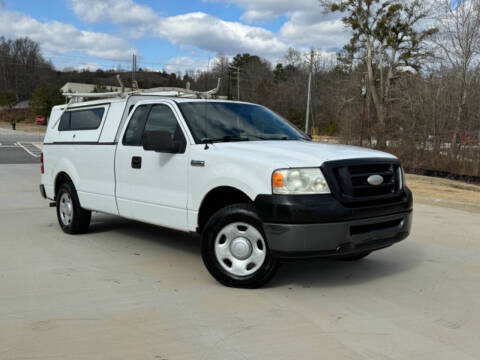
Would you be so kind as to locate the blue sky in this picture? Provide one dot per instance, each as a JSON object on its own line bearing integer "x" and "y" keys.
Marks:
{"x": 171, "y": 35}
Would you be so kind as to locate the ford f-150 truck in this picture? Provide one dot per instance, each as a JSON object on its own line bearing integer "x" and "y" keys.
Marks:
{"x": 256, "y": 188}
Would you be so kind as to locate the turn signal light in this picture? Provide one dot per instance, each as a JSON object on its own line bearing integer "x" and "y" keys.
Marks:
{"x": 277, "y": 180}
{"x": 42, "y": 167}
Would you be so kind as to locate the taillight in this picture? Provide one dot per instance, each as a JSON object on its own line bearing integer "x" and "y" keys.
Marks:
{"x": 42, "y": 167}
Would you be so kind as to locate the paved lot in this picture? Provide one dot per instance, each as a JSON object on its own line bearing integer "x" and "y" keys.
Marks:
{"x": 17, "y": 147}
{"x": 133, "y": 291}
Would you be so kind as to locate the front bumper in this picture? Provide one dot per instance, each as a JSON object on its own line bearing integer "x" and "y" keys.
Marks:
{"x": 342, "y": 238}
{"x": 319, "y": 225}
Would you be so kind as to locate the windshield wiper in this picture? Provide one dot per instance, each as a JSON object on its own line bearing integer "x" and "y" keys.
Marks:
{"x": 226, "y": 138}
{"x": 278, "y": 137}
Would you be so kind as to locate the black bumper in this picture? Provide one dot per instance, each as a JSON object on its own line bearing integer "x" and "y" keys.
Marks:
{"x": 319, "y": 225}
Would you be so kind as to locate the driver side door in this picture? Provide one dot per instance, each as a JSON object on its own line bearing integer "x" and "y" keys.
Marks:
{"x": 152, "y": 186}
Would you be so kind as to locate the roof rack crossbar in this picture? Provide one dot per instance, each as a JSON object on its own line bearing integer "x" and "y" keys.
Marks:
{"x": 180, "y": 92}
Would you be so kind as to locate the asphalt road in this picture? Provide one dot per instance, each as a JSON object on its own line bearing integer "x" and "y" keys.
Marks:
{"x": 133, "y": 291}
{"x": 17, "y": 147}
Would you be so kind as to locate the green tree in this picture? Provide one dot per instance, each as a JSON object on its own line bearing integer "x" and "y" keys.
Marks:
{"x": 243, "y": 59}
{"x": 44, "y": 98}
{"x": 279, "y": 73}
{"x": 386, "y": 39}
{"x": 8, "y": 99}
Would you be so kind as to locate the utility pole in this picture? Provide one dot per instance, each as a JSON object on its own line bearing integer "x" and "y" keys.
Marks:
{"x": 364, "y": 109}
{"x": 312, "y": 55}
{"x": 238, "y": 83}
{"x": 229, "y": 84}
{"x": 134, "y": 68}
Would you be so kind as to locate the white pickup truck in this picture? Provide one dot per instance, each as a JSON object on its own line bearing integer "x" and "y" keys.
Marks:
{"x": 257, "y": 189}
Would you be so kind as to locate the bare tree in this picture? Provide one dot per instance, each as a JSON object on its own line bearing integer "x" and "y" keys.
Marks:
{"x": 386, "y": 38}
{"x": 459, "y": 43}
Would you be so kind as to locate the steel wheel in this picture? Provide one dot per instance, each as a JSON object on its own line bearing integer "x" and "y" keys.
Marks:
{"x": 66, "y": 209}
{"x": 240, "y": 249}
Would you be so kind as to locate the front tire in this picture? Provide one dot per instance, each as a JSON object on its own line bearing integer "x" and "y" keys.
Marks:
{"x": 71, "y": 217}
{"x": 235, "y": 250}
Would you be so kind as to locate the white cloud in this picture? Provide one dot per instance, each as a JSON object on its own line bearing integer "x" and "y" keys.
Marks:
{"x": 87, "y": 66}
{"x": 213, "y": 34}
{"x": 258, "y": 10}
{"x": 60, "y": 38}
{"x": 327, "y": 35}
{"x": 184, "y": 63}
{"x": 137, "y": 18}
{"x": 307, "y": 24}
{"x": 196, "y": 29}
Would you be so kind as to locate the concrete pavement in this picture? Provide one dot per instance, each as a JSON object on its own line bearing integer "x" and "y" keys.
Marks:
{"x": 132, "y": 291}
{"x": 17, "y": 147}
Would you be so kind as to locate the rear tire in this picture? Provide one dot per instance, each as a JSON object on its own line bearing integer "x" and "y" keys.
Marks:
{"x": 235, "y": 250}
{"x": 71, "y": 217}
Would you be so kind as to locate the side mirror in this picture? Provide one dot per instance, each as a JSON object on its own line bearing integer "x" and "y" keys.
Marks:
{"x": 161, "y": 141}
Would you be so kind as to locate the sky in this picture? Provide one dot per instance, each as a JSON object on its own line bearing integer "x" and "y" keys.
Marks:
{"x": 175, "y": 35}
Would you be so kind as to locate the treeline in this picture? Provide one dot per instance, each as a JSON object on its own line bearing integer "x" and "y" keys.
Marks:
{"x": 408, "y": 81}
{"x": 23, "y": 68}
{"x": 422, "y": 110}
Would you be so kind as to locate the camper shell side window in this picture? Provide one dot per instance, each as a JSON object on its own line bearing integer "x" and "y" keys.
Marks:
{"x": 84, "y": 119}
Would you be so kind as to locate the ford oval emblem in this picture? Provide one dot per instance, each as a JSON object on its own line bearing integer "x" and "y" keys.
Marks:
{"x": 375, "y": 180}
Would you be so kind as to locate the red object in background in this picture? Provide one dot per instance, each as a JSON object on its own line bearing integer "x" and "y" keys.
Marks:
{"x": 40, "y": 120}
{"x": 462, "y": 137}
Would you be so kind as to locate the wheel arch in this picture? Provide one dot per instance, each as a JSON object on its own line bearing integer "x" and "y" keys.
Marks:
{"x": 61, "y": 178}
{"x": 216, "y": 199}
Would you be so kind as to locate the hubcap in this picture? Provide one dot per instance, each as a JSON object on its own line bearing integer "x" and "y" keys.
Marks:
{"x": 240, "y": 249}
{"x": 66, "y": 209}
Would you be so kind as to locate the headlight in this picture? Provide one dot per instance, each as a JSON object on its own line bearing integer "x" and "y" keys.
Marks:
{"x": 299, "y": 181}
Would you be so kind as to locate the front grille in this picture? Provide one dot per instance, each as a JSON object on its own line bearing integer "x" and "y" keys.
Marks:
{"x": 348, "y": 180}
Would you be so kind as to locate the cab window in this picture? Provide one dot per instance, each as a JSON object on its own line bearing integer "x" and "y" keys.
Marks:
{"x": 133, "y": 135}
{"x": 161, "y": 118}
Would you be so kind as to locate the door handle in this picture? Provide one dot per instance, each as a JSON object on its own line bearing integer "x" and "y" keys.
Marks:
{"x": 136, "y": 162}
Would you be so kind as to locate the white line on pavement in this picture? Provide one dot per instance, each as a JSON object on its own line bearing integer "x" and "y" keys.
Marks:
{"x": 28, "y": 151}
{"x": 38, "y": 145}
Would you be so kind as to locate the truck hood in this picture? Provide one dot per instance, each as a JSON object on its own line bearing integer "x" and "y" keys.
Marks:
{"x": 298, "y": 153}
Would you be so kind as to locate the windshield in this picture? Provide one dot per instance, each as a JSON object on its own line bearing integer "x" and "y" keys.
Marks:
{"x": 226, "y": 121}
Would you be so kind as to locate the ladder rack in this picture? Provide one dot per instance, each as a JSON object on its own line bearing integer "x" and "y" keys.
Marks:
{"x": 160, "y": 91}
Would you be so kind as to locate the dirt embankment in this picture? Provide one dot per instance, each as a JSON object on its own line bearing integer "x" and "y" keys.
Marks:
{"x": 444, "y": 192}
